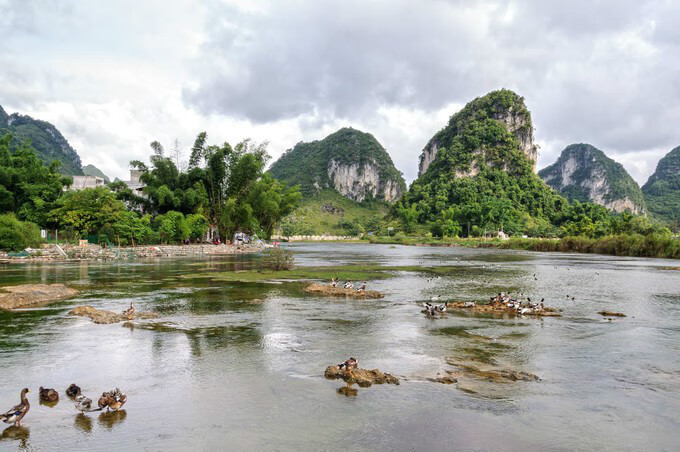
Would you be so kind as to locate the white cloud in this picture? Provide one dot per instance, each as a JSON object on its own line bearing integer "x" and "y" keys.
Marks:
{"x": 115, "y": 76}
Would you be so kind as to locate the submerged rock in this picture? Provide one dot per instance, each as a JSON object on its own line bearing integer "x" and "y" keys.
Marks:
{"x": 340, "y": 292}
{"x": 612, "y": 314}
{"x": 101, "y": 316}
{"x": 361, "y": 377}
{"x": 493, "y": 375}
{"x": 27, "y": 295}
{"x": 445, "y": 379}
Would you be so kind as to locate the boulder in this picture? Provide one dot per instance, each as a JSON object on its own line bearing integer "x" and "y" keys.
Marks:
{"x": 361, "y": 377}
{"x": 324, "y": 289}
{"x": 493, "y": 375}
{"x": 101, "y": 316}
{"x": 27, "y": 295}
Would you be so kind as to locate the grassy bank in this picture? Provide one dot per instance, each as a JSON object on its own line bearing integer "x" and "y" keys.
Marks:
{"x": 635, "y": 245}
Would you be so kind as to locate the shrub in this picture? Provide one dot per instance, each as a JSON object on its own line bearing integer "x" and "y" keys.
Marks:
{"x": 16, "y": 235}
{"x": 278, "y": 259}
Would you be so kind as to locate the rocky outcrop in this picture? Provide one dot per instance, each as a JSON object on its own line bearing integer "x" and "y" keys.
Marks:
{"x": 586, "y": 174}
{"x": 349, "y": 161}
{"x": 513, "y": 116}
{"x": 28, "y": 295}
{"x": 358, "y": 182}
{"x": 323, "y": 289}
{"x": 362, "y": 377}
{"x": 104, "y": 317}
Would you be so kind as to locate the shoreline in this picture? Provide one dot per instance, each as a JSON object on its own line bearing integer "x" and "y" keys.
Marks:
{"x": 56, "y": 253}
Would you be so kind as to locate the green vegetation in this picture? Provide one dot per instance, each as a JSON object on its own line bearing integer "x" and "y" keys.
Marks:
{"x": 17, "y": 235}
{"x": 48, "y": 142}
{"x": 91, "y": 170}
{"x": 481, "y": 182}
{"x": 307, "y": 164}
{"x": 592, "y": 164}
{"x": 27, "y": 187}
{"x": 278, "y": 259}
{"x": 226, "y": 185}
{"x": 662, "y": 190}
{"x": 330, "y": 213}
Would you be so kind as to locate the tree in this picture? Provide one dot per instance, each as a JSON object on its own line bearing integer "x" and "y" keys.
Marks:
{"x": 17, "y": 235}
{"x": 87, "y": 211}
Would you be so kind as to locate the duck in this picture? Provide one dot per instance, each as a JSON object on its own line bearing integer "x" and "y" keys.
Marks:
{"x": 112, "y": 400}
{"x": 443, "y": 307}
{"x": 469, "y": 304}
{"x": 129, "y": 312}
{"x": 362, "y": 288}
{"x": 349, "y": 364}
{"x": 48, "y": 395}
{"x": 84, "y": 404}
{"x": 435, "y": 298}
{"x": 73, "y": 390}
{"x": 17, "y": 412}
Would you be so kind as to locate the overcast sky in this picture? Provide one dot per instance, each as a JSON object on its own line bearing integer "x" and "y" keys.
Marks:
{"x": 113, "y": 76}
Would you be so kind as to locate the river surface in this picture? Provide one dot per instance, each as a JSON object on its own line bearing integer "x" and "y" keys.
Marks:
{"x": 233, "y": 366}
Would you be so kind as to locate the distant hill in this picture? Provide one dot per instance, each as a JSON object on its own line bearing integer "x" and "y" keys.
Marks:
{"x": 586, "y": 174}
{"x": 349, "y": 161}
{"x": 48, "y": 142}
{"x": 662, "y": 190}
{"x": 479, "y": 171}
{"x": 91, "y": 170}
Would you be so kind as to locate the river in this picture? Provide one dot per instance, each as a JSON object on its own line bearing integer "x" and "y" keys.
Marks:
{"x": 235, "y": 366}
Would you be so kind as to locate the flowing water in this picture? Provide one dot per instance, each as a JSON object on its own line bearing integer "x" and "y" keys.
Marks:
{"x": 234, "y": 366}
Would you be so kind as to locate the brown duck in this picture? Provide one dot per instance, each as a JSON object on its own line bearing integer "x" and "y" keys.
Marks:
{"x": 48, "y": 395}
{"x": 17, "y": 413}
{"x": 112, "y": 400}
{"x": 73, "y": 390}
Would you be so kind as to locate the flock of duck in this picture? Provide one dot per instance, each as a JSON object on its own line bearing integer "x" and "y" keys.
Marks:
{"x": 111, "y": 401}
{"x": 521, "y": 304}
{"x": 348, "y": 285}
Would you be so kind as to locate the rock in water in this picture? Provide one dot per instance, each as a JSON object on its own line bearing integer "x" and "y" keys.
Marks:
{"x": 101, "y": 316}
{"x": 361, "y": 377}
{"x": 33, "y": 294}
{"x": 584, "y": 173}
{"x": 340, "y": 292}
{"x": 349, "y": 161}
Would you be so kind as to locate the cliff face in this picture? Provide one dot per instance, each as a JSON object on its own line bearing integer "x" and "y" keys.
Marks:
{"x": 504, "y": 107}
{"x": 662, "y": 190}
{"x": 586, "y": 174}
{"x": 348, "y": 161}
{"x": 48, "y": 142}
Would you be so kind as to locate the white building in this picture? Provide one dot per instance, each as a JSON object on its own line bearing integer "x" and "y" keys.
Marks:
{"x": 82, "y": 182}
{"x": 134, "y": 184}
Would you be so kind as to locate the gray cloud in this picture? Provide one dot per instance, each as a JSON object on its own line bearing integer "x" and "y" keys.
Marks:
{"x": 598, "y": 71}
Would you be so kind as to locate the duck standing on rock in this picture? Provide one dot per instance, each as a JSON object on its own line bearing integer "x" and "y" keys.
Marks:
{"x": 362, "y": 288}
{"x": 73, "y": 390}
{"x": 112, "y": 400}
{"x": 17, "y": 413}
{"x": 129, "y": 312}
{"x": 48, "y": 395}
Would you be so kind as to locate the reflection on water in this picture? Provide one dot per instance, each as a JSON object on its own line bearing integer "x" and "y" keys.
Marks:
{"x": 83, "y": 422}
{"x": 225, "y": 358}
{"x": 109, "y": 419}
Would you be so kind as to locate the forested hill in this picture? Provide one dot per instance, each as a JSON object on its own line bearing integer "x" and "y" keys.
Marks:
{"x": 349, "y": 161}
{"x": 586, "y": 174}
{"x": 482, "y": 176}
{"x": 662, "y": 190}
{"x": 47, "y": 141}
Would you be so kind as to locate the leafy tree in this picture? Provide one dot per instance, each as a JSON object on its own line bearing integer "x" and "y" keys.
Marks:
{"x": 17, "y": 235}
{"x": 87, "y": 211}
{"x": 27, "y": 186}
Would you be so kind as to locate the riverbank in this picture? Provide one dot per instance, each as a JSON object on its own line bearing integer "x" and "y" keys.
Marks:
{"x": 635, "y": 245}
{"x": 92, "y": 252}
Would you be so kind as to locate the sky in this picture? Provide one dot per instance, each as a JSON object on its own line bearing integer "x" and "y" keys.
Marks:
{"x": 114, "y": 76}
